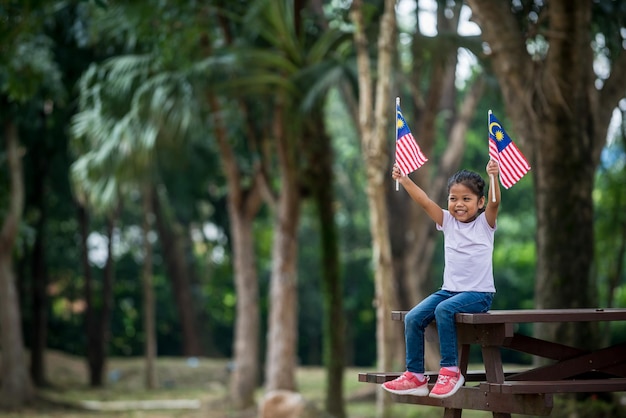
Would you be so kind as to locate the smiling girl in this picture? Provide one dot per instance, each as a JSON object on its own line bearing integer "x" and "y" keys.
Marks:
{"x": 468, "y": 286}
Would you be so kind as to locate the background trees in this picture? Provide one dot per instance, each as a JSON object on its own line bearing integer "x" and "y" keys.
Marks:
{"x": 550, "y": 89}
{"x": 264, "y": 176}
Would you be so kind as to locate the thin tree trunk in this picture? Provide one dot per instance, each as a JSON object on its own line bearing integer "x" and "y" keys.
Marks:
{"x": 17, "y": 388}
{"x": 39, "y": 276}
{"x": 180, "y": 273}
{"x": 97, "y": 318}
{"x": 280, "y": 363}
{"x": 149, "y": 308}
{"x": 321, "y": 179}
{"x": 243, "y": 206}
{"x": 245, "y": 376}
{"x": 374, "y": 128}
{"x": 91, "y": 329}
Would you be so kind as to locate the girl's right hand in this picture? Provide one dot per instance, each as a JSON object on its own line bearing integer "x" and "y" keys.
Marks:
{"x": 396, "y": 174}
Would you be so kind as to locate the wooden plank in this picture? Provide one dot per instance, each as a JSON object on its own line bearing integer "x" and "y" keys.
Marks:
{"x": 534, "y": 315}
{"x": 477, "y": 399}
{"x": 597, "y": 360}
{"x": 376, "y": 377}
{"x": 485, "y": 334}
{"x": 556, "y": 386}
{"x": 618, "y": 370}
{"x": 398, "y": 315}
{"x": 542, "y": 348}
{"x": 543, "y": 315}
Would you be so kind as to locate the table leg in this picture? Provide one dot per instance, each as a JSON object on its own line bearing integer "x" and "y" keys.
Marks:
{"x": 493, "y": 364}
{"x": 464, "y": 354}
{"x": 452, "y": 413}
{"x": 492, "y": 359}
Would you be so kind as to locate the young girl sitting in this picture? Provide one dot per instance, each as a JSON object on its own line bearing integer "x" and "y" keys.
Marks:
{"x": 468, "y": 286}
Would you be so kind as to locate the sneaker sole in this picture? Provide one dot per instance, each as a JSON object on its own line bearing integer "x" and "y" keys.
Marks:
{"x": 452, "y": 392}
{"x": 422, "y": 391}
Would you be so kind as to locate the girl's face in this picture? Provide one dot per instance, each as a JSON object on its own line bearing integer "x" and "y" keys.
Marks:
{"x": 464, "y": 204}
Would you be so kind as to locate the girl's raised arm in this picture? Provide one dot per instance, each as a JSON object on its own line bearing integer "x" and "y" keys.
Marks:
{"x": 417, "y": 194}
{"x": 491, "y": 212}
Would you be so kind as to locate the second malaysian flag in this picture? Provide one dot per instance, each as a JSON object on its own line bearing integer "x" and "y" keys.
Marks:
{"x": 513, "y": 165}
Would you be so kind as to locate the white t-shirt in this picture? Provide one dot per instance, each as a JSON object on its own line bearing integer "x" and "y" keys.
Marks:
{"x": 468, "y": 254}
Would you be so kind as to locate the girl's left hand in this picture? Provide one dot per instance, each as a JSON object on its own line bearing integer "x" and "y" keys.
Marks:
{"x": 395, "y": 172}
{"x": 492, "y": 167}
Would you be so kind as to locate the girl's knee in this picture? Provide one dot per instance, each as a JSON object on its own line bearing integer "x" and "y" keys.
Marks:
{"x": 443, "y": 311}
{"x": 415, "y": 318}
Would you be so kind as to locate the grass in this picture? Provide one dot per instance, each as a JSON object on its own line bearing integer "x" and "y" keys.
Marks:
{"x": 203, "y": 380}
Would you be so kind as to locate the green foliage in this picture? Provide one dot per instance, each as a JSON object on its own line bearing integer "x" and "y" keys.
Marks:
{"x": 610, "y": 222}
{"x": 144, "y": 106}
{"x": 28, "y": 66}
{"x": 592, "y": 407}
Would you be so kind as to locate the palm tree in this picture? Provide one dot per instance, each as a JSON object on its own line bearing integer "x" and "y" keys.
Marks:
{"x": 130, "y": 112}
{"x": 291, "y": 70}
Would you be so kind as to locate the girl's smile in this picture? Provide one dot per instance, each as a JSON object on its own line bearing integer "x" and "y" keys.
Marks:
{"x": 464, "y": 204}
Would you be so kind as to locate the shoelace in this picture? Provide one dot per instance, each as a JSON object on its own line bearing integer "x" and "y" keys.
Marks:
{"x": 442, "y": 380}
{"x": 404, "y": 378}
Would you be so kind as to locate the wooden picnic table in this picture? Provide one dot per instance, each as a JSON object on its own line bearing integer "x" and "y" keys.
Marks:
{"x": 529, "y": 391}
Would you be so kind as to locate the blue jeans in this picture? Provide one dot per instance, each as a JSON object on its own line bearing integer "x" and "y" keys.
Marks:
{"x": 440, "y": 306}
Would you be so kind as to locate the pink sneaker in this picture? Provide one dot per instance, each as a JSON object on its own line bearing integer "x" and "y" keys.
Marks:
{"x": 447, "y": 384}
{"x": 407, "y": 384}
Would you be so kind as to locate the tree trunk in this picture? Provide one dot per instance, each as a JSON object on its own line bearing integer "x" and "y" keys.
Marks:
{"x": 561, "y": 121}
{"x": 374, "y": 129}
{"x": 97, "y": 317}
{"x": 94, "y": 361}
{"x": 17, "y": 387}
{"x": 280, "y": 363}
{"x": 243, "y": 206}
{"x": 39, "y": 275}
{"x": 149, "y": 308}
{"x": 245, "y": 376}
{"x": 320, "y": 176}
{"x": 180, "y": 273}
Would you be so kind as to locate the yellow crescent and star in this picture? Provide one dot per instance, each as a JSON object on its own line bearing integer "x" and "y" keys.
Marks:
{"x": 400, "y": 120}
{"x": 498, "y": 134}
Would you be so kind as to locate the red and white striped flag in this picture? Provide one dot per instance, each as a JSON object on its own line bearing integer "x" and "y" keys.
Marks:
{"x": 409, "y": 156}
{"x": 513, "y": 165}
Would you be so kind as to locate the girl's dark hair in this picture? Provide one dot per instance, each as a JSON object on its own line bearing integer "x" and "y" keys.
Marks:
{"x": 469, "y": 179}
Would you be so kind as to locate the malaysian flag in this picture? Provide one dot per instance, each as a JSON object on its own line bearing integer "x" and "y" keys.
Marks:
{"x": 512, "y": 163}
{"x": 409, "y": 157}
